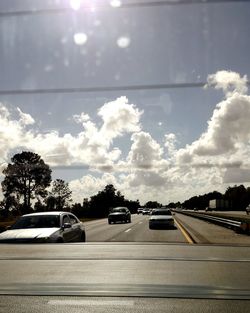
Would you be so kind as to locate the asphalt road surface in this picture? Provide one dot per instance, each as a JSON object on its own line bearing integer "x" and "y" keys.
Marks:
{"x": 138, "y": 231}
{"x": 119, "y": 276}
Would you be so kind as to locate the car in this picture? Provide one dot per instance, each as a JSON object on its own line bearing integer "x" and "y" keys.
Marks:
{"x": 161, "y": 218}
{"x": 208, "y": 209}
{"x": 146, "y": 211}
{"x": 140, "y": 210}
{"x": 119, "y": 214}
{"x": 45, "y": 227}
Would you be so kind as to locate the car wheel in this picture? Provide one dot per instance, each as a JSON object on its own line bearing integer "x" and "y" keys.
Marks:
{"x": 60, "y": 240}
{"x": 109, "y": 222}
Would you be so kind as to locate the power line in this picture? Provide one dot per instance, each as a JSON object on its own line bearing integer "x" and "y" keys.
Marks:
{"x": 101, "y": 89}
{"x": 124, "y": 5}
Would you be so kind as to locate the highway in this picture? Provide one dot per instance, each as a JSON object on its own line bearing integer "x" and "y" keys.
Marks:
{"x": 138, "y": 231}
{"x": 130, "y": 268}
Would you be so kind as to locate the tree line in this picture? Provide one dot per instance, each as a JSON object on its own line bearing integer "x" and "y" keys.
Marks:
{"x": 26, "y": 189}
{"x": 237, "y": 196}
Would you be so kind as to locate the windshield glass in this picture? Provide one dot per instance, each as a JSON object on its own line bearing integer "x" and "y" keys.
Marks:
{"x": 125, "y": 103}
{"x": 119, "y": 210}
{"x": 166, "y": 212}
{"x": 37, "y": 222}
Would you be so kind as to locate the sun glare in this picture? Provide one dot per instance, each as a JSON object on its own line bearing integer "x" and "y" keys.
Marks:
{"x": 80, "y": 38}
{"x": 75, "y": 4}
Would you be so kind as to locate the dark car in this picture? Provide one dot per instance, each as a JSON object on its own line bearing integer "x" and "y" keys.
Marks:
{"x": 45, "y": 227}
{"x": 119, "y": 214}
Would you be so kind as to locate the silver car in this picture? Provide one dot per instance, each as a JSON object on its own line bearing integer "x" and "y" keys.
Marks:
{"x": 45, "y": 227}
{"x": 161, "y": 218}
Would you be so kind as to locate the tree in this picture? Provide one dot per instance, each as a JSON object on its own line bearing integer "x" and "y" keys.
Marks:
{"x": 152, "y": 204}
{"x": 50, "y": 203}
{"x": 101, "y": 203}
{"x": 239, "y": 197}
{"x": 26, "y": 177}
{"x": 77, "y": 209}
{"x": 61, "y": 193}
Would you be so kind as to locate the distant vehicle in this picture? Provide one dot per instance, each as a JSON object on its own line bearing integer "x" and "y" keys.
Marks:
{"x": 146, "y": 211}
{"x": 248, "y": 209}
{"x": 45, "y": 227}
{"x": 220, "y": 204}
{"x": 139, "y": 210}
{"x": 208, "y": 209}
{"x": 119, "y": 214}
{"x": 161, "y": 218}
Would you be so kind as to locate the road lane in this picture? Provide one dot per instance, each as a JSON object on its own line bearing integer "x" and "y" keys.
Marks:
{"x": 136, "y": 231}
{"x": 102, "y": 231}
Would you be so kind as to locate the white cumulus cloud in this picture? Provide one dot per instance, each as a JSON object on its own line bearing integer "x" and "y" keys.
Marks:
{"x": 228, "y": 81}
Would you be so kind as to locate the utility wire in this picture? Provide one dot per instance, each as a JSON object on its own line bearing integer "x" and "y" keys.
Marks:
{"x": 101, "y": 89}
{"x": 124, "y": 5}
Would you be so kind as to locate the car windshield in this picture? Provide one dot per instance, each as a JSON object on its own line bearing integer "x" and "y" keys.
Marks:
{"x": 127, "y": 104}
{"x": 41, "y": 221}
{"x": 119, "y": 210}
{"x": 165, "y": 212}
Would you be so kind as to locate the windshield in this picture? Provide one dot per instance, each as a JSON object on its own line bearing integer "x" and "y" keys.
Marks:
{"x": 119, "y": 210}
{"x": 124, "y": 103}
{"x": 166, "y": 212}
{"x": 37, "y": 222}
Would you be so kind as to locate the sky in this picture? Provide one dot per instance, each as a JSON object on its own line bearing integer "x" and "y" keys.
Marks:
{"x": 163, "y": 144}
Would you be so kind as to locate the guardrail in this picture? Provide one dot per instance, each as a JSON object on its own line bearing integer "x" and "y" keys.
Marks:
{"x": 239, "y": 226}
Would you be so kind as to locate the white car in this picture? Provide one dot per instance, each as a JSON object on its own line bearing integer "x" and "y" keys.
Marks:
{"x": 161, "y": 218}
{"x": 45, "y": 227}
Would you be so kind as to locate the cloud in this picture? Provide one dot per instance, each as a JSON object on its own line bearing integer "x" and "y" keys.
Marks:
{"x": 229, "y": 125}
{"x": 119, "y": 117}
{"x": 151, "y": 169}
{"x": 81, "y": 118}
{"x": 145, "y": 153}
{"x": 13, "y": 132}
{"x": 91, "y": 146}
{"x": 89, "y": 185}
{"x": 229, "y": 82}
{"x": 236, "y": 175}
{"x": 170, "y": 143}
